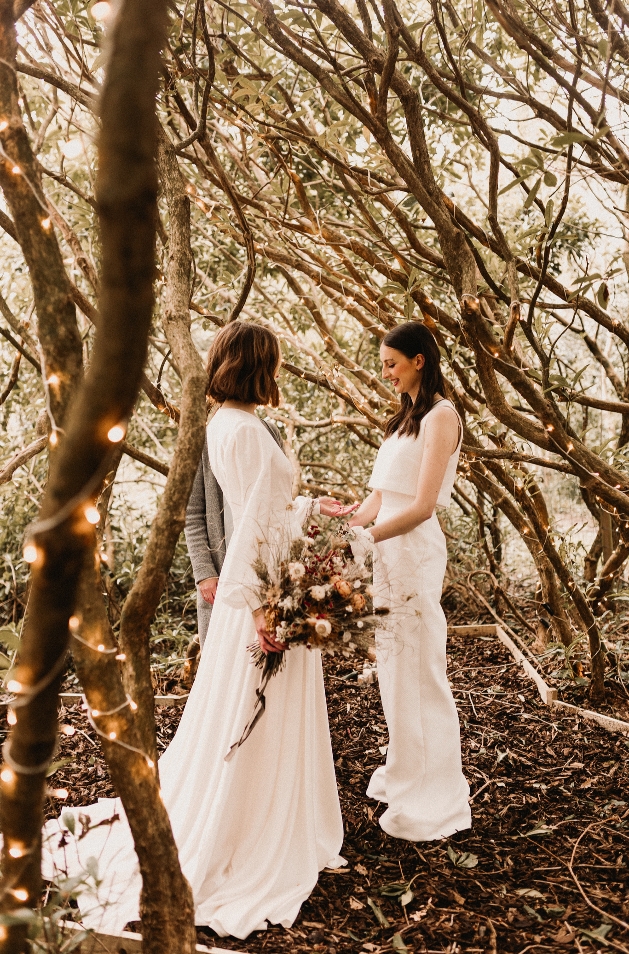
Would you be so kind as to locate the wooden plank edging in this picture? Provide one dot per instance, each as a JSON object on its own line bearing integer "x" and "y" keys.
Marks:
{"x": 547, "y": 694}
{"x": 127, "y": 942}
{"x": 608, "y": 722}
{"x": 71, "y": 698}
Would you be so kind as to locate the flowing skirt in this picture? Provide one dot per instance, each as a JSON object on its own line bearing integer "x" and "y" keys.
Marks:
{"x": 422, "y": 781}
{"x": 252, "y": 833}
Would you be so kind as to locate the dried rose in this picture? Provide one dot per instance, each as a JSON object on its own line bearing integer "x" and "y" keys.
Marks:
{"x": 322, "y": 627}
{"x": 343, "y": 588}
{"x": 358, "y": 602}
{"x": 296, "y": 571}
{"x": 318, "y": 592}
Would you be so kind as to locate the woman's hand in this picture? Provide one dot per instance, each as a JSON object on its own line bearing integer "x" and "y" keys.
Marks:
{"x": 268, "y": 644}
{"x": 366, "y": 512}
{"x": 330, "y": 507}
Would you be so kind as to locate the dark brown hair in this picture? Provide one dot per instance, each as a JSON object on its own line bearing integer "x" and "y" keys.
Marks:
{"x": 412, "y": 339}
{"x": 241, "y": 365}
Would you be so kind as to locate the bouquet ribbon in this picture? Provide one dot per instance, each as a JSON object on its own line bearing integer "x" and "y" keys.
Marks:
{"x": 270, "y": 667}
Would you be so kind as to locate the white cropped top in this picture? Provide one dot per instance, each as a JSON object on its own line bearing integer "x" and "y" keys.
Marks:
{"x": 399, "y": 461}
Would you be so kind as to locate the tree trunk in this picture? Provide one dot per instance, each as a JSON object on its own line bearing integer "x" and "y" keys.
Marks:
{"x": 142, "y": 601}
{"x": 166, "y": 904}
{"x": 63, "y": 537}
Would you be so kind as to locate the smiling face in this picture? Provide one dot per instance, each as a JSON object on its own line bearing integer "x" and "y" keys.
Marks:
{"x": 405, "y": 374}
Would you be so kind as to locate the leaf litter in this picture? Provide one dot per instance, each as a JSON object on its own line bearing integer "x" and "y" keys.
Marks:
{"x": 543, "y": 868}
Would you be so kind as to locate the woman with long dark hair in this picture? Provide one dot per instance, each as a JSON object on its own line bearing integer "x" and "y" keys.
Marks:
{"x": 414, "y": 472}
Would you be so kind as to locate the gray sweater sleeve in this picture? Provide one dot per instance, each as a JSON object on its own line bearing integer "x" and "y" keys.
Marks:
{"x": 196, "y": 530}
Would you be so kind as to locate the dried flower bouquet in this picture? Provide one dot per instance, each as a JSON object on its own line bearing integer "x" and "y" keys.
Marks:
{"x": 315, "y": 595}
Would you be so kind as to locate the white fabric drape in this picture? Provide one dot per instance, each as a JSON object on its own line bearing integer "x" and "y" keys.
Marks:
{"x": 252, "y": 833}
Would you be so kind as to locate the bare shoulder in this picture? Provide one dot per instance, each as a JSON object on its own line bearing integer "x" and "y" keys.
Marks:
{"x": 443, "y": 415}
{"x": 442, "y": 424}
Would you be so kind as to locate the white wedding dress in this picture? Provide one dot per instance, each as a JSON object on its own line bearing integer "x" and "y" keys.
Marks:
{"x": 422, "y": 781}
{"x": 252, "y": 832}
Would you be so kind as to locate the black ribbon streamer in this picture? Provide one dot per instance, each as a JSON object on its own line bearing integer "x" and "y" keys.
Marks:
{"x": 272, "y": 664}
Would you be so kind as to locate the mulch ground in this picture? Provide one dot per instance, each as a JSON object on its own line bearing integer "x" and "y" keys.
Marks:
{"x": 543, "y": 868}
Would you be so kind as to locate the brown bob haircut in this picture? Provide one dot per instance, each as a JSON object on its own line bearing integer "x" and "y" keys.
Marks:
{"x": 241, "y": 365}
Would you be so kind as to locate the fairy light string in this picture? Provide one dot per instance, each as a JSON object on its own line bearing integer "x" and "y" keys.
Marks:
{"x": 23, "y": 694}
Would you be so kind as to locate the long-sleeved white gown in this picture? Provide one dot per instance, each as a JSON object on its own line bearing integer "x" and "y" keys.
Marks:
{"x": 252, "y": 832}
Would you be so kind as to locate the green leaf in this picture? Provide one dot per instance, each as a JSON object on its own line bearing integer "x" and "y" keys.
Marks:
{"x": 548, "y": 214}
{"x": 9, "y": 637}
{"x": 515, "y": 182}
{"x": 530, "y": 199}
{"x": 55, "y": 766}
{"x": 377, "y": 910}
{"x": 550, "y": 179}
{"x": 19, "y": 916}
{"x": 564, "y": 139}
{"x": 532, "y": 912}
{"x": 69, "y": 821}
{"x": 91, "y": 866}
{"x": 466, "y": 859}
{"x": 406, "y": 898}
{"x": 539, "y": 829}
{"x": 76, "y": 941}
{"x": 398, "y": 944}
{"x": 602, "y": 295}
{"x": 600, "y": 933}
{"x": 395, "y": 889}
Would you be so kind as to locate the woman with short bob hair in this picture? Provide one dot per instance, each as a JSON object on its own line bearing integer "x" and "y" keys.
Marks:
{"x": 242, "y": 365}
{"x": 253, "y": 830}
{"x": 422, "y": 781}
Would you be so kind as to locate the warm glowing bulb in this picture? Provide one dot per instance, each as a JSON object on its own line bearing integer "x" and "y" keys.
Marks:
{"x": 4, "y": 125}
{"x": 72, "y": 148}
{"x": 60, "y": 792}
{"x": 112, "y": 736}
{"x": 54, "y": 378}
{"x": 133, "y": 705}
{"x": 95, "y": 712}
{"x": 115, "y": 433}
{"x": 14, "y": 686}
{"x": 550, "y": 428}
{"x": 20, "y": 893}
{"x": 101, "y": 10}
{"x": 68, "y": 729}
{"x": 16, "y": 171}
{"x": 30, "y": 553}
{"x": 45, "y": 224}
{"x": 11, "y": 717}
{"x": 53, "y": 439}
{"x": 121, "y": 657}
{"x": 150, "y": 763}
{"x": 92, "y": 515}
{"x": 101, "y": 648}
{"x": 16, "y": 851}
{"x": 7, "y": 775}
{"x": 74, "y": 623}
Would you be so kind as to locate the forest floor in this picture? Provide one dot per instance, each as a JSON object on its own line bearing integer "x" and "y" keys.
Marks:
{"x": 544, "y": 867}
